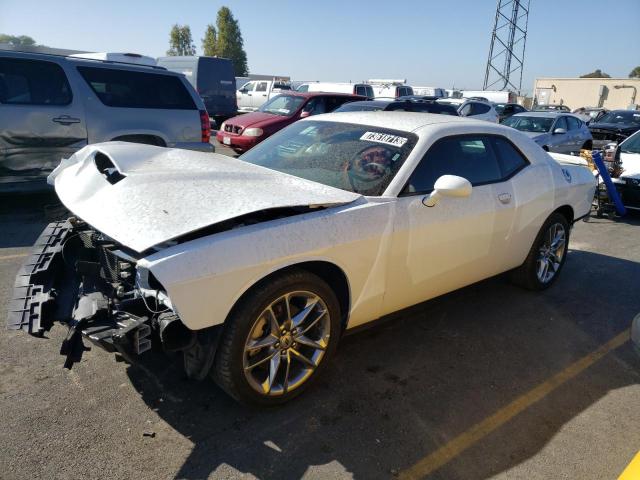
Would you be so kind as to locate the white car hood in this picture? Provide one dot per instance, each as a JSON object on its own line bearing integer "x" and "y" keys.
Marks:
{"x": 158, "y": 194}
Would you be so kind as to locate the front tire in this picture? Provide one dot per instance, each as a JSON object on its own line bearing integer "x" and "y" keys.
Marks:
{"x": 546, "y": 257}
{"x": 278, "y": 339}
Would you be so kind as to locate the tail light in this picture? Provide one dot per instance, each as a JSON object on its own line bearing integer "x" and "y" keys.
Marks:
{"x": 205, "y": 126}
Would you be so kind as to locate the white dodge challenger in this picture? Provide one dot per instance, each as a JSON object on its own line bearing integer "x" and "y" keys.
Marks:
{"x": 254, "y": 267}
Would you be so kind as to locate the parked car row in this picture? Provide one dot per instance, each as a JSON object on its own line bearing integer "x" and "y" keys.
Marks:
{"x": 51, "y": 106}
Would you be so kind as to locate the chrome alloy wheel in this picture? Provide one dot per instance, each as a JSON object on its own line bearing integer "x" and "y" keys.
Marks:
{"x": 286, "y": 343}
{"x": 551, "y": 252}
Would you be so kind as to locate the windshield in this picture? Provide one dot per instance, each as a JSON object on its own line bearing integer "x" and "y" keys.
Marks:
{"x": 631, "y": 144}
{"x": 499, "y": 108}
{"x": 358, "y": 107}
{"x": 284, "y": 105}
{"x": 357, "y": 158}
{"x": 621, "y": 117}
{"x": 529, "y": 124}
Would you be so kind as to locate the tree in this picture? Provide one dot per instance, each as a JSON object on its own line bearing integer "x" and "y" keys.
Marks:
{"x": 597, "y": 74}
{"x": 229, "y": 43}
{"x": 180, "y": 41}
{"x": 635, "y": 73}
{"x": 17, "y": 41}
{"x": 210, "y": 41}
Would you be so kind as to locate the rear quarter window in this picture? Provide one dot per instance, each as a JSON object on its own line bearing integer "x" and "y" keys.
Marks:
{"x": 133, "y": 89}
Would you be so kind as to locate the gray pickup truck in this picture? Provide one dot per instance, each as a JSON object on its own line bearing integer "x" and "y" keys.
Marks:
{"x": 51, "y": 106}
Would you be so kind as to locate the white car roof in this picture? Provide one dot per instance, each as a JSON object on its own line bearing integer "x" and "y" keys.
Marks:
{"x": 405, "y": 121}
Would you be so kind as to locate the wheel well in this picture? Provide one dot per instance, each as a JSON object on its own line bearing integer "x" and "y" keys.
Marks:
{"x": 588, "y": 145}
{"x": 329, "y": 272}
{"x": 545, "y": 148}
{"x": 144, "y": 139}
{"x": 567, "y": 212}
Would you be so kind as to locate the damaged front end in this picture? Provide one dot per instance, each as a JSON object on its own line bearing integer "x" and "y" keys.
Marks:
{"x": 80, "y": 277}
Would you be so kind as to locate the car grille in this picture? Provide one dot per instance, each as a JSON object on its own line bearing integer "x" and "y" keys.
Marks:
{"x": 113, "y": 268}
{"x": 232, "y": 128}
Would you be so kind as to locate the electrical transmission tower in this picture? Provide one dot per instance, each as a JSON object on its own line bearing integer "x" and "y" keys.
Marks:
{"x": 506, "y": 54}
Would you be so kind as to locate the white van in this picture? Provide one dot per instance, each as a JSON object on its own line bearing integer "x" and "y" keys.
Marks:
{"x": 134, "y": 58}
{"x": 353, "y": 88}
{"x": 390, "y": 88}
{"x": 430, "y": 92}
{"x": 495, "y": 96}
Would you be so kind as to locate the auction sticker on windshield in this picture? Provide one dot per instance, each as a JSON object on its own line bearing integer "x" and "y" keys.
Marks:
{"x": 385, "y": 138}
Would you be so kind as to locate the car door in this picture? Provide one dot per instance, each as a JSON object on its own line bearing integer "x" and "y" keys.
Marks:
{"x": 560, "y": 142}
{"x": 260, "y": 95}
{"x": 42, "y": 120}
{"x": 578, "y": 138}
{"x": 459, "y": 240}
{"x": 244, "y": 95}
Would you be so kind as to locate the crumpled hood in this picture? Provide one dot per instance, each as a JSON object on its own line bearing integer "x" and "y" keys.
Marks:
{"x": 257, "y": 119}
{"x": 142, "y": 195}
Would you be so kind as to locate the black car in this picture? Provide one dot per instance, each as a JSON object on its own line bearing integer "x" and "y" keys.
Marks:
{"x": 615, "y": 126}
{"x": 214, "y": 80}
{"x": 505, "y": 110}
{"x": 399, "y": 105}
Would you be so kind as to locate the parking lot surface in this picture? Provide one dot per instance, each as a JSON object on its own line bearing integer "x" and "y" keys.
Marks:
{"x": 487, "y": 382}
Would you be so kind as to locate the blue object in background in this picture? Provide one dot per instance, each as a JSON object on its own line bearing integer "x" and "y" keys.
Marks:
{"x": 611, "y": 188}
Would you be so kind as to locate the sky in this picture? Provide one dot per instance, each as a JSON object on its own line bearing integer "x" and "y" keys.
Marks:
{"x": 429, "y": 43}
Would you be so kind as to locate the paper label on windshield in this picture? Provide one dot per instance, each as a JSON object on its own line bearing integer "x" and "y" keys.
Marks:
{"x": 386, "y": 138}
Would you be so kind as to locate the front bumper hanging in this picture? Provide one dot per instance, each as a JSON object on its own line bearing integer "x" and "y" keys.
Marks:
{"x": 70, "y": 277}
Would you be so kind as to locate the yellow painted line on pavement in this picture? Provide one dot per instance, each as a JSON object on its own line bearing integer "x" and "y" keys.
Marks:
{"x": 462, "y": 442}
{"x": 9, "y": 257}
{"x": 632, "y": 472}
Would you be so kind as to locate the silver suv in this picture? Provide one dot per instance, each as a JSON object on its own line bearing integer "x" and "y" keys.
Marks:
{"x": 51, "y": 106}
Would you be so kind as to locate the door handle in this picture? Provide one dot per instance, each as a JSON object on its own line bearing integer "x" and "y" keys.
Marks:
{"x": 504, "y": 198}
{"x": 264, "y": 94}
{"x": 65, "y": 120}
{"x": 250, "y": 94}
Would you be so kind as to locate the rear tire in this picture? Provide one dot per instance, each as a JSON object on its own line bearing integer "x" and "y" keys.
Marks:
{"x": 546, "y": 257}
{"x": 266, "y": 363}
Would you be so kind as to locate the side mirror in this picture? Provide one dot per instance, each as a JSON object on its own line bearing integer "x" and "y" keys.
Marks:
{"x": 305, "y": 114}
{"x": 243, "y": 90}
{"x": 559, "y": 131}
{"x": 448, "y": 186}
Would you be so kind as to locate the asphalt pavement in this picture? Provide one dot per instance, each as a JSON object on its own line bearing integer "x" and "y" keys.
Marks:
{"x": 490, "y": 381}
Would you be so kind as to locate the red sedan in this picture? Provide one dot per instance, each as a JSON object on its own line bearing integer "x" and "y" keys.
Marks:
{"x": 244, "y": 131}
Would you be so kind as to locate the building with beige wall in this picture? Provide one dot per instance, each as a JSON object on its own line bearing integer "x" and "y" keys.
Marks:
{"x": 588, "y": 92}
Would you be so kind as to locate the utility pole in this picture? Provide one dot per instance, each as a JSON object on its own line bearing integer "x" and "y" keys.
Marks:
{"x": 508, "y": 40}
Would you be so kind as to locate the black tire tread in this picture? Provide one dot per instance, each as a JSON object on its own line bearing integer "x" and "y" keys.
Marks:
{"x": 222, "y": 367}
{"x": 525, "y": 275}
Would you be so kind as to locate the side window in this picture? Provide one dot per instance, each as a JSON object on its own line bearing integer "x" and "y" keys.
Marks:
{"x": 465, "y": 110}
{"x": 315, "y": 106}
{"x": 262, "y": 87}
{"x": 33, "y": 82}
{"x": 369, "y": 91}
{"x": 479, "y": 108}
{"x": 561, "y": 123}
{"x": 134, "y": 89}
{"x": 303, "y": 88}
{"x": 574, "y": 123}
{"x": 248, "y": 86}
{"x": 468, "y": 156}
{"x": 518, "y": 109}
{"x": 511, "y": 160}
